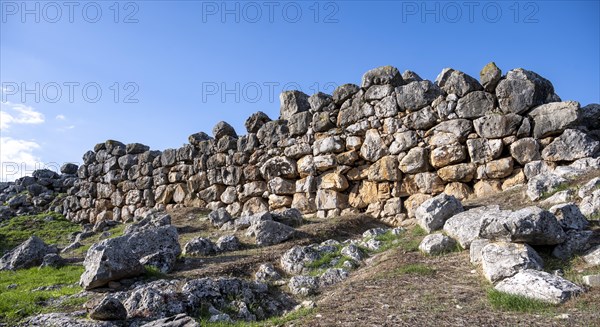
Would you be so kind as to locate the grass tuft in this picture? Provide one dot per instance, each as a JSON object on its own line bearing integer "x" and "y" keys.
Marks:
{"x": 516, "y": 303}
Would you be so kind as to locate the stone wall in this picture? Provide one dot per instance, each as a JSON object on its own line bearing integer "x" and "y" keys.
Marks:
{"x": 383, "y": 148}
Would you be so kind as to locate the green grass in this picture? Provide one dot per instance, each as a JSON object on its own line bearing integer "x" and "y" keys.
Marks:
{"x": 153, "y": 273}
{"x": 87, "y": 243}
{"x": 19, "y": 229}
{"x": 273, "y": 321}
{"x": 516, "y": 303}
{"x": 559, "y": 188}
{"x": 21, "y": 301}
{"x": 325, "y": 260}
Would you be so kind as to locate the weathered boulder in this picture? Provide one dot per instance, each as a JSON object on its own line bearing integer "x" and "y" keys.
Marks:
{"x": 269, "y": 232}
{"x": 304, "y": 285}
{"x": 447, "y": 155}
{"x": 273, "y": 132}
{"x": 464, "y": 173}
{"x": 199, "y": 246}
{"x": 292, "y": 102}
{"x": 577, "y": 242}
{"x": 590, "y": 205}
{"x": 291, "y": 217}
{"x": 475, "y": 249}
{"x": 503, "y": 260}
{"x": 228, "y": 243}
{"x": 332, "y": 276}
{"x": 163, "y": 261}
{"x": 107, "y": 261}
{"x": 197, "y": 138}
{"x": 496, "y": 126}
{"x": 256, "y": 121}
{"x": 553, "y": 118}
{"x": 525, "y": 150}
{"x": 539, "y": 285}
{"x": 279, "y": 167}
{"x": 267, "y": 273}
{"x": 416, "y": 95}
{"x": 373, "y": 147}
{"x": 475, "y": 104}
{"x": 569, "y": 216}
{"x": 433, "y": 213}
{"x": 219, "y": 217}
{"x": 465, "y": 226}
{"x": 154, "y": 300}
{"x": 28, "y": 254}
{"x": 482, "y": 150}
{"x": 222, "y": 129}
{"x": 422, "y": 119}
{"x": 456, "y": 82}
{"x": 522, "y": 90}
{"x": 570, "y": 146}
{"x": 109, "y": 309}
{"x": 543, "y": 184}
{"x": 592, "y": 257}
{"x": 437, "y": 244}
{"x": 489, "y": 76}
{"x": 69, "y": 169}
{"x": 295, "y": 260}
{"x": 530, "y": 225}
{"x": 53, "y": 260}
{"x": 415, "y": 161}
{"x": 344, "y": 92}
{"x": 589, "y": 187}
{"x": 381, "y": 76}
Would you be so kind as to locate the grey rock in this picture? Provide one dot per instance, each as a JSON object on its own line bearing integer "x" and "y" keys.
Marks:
{"x": 489, "y": 76}
{"x": 269, "y": 232}
{"x": 381, "y": 76}
{"x": 591, "y": 280}
{"x": 525, "y": 150}
{"x": 522, "y": 90}
{"x": 373, "y": 147}
{"x": 228, "y": 243}
{"x": 543, "y": 184}
{"x": 577, "y": 242}
{"x": 291, "y": 217}
{"x": 553, "y": 118}
{"x": 28, "y": 254}
{"x": 299, "y": 123}
{"x": 433, "y": 213}
{"x": 466, "y": 226}
{"x": 378, "y": 92}
{"x": 569, "y": 216}
{"x": 64, "y": 320}
{"x": 482, "y": 150}
{"x": 292, "y": 102}
{"x": 421, "y": 119}
{"x": 223, "y": 129}
{"x": 52, "y": 260}
{"x": 344, "y": 92}
{"x": 415, "y": 161}
{"x": 199, "y": 246}
{"x": 266, "y": 273}
{"x": 590, "y": 116}
{"x": 297, "y": 258}
{"x": 332, "y": 276}
{"x": 279, "y": 167}
{"x": 197, "y": 138}
{"x": 589, "y": 187}
{"x": 69, "y": 168}
{"x": 570, "y": 146}
{"x": 592, "y": 257}
{"x": 109, "y": 260}
{"x": 410, "y": 76}
{"x": 539, "y": 285}
{"x": 503, "y": 260}
{"x": 154, "y": 300}
{"x": 590, "y": 205}
{"x": 459, "y": 127}
{"x": 530, "y": 225}
{"x": 319, "y": 101}
{"x": 437, "y": 243}
{"x": 219, "y": 217}
{"x": 497, "y": 126}
{"x": 416, "y": 95}
{"x": 456, "y": 82}
{"x": 164, "y": 261}
{"x": 304, "y": 285}
{"x": 475, "y": 104}
{"x": 256, "y": 121}
{"x": 109, "y": 309}
{"x": 353, "y": 252}
{"x": 475, "y": 249}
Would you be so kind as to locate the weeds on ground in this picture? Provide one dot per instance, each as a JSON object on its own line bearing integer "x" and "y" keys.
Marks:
{"x": 25, "y": 292}
{"x": 516, "y": 303}
{"x": 273, "y": 321}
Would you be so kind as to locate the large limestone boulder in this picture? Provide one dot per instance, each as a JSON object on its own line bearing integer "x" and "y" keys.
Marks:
{"x": 482, "y": 150}
{"x": 553, "y": 118}
{"x": 222, "y": 129}
{"x": 437, "y": 243}
{"x": 433, "y": 213}
{"x": 465, "y": 226}
{"x": 179, "y": 320}
{"x": 525, "y": 150}
{"x": 295, "y": 260}
{"x": 373, "y": 147}
{"x": 292, "y": 102}
{"x": 503, "y": 259}
{"x": 416, "y": 95}
{"x": 382, "y": 76}
{"x": 570, "y": 146}
{"x": 28, "y": 254}
{"x": 577, "y": 242}
{"x": 279, "y": 167}
{"x": 530, "y": 225}
{"x": 415, "y": 161}
{"x": 456, "y": 82}
{"x": 489, "y": 76}
{"x": 569, "y": 216}
{"x": 522, "y": 90}
{"x": 269, "y": 232}
{"x": 497, "y": 126}
{"x": 590, "y": 205}
{"x": 256, "y": 121}
{"x": 475, "y": 104}
{"x": 539, "y": 285}
{"x": 543, "y": 184}
{"x": 109, "y": 309}
{"x": 107, "y": 261}
{"x": 199, "y": 246}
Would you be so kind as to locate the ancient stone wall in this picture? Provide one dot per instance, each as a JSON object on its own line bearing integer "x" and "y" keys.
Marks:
{"x": 383, "y": 148}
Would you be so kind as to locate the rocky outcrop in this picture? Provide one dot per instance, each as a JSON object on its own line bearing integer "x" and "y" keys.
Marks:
{"x": 28, "y": 254}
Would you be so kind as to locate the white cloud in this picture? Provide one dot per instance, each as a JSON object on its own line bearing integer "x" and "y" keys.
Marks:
{"x": 15, "y": 113}
{"x": 61, "y": 117}
{"x": 17, "y": 158}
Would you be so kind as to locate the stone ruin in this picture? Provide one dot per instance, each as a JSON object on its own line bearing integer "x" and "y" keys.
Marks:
{"x": 382, "y": 148}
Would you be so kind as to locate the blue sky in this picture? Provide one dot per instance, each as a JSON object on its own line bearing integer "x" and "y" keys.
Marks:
{"x": 182, "y": 66}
